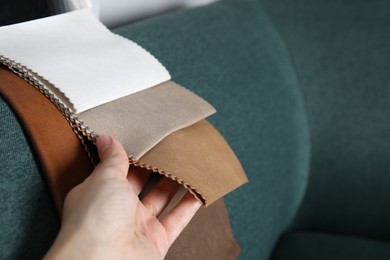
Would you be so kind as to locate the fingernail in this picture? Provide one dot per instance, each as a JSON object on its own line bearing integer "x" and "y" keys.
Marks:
{"x": 103, "y": 143}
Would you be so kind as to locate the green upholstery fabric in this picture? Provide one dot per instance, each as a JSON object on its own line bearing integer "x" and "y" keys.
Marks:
{"x": 229, "y": 54}
{"x": 28, "y": 221}
{"x": 341, "y": 52}
{"x": 322, "y": 246}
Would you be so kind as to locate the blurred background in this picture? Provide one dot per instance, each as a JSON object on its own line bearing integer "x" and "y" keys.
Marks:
{"x": 111, "y": 12}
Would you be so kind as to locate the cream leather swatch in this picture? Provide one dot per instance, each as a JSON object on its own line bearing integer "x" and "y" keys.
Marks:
{"x": 198, "y": 157}
{"x": 141, "y": 120}
{"x": 74, "y": 53}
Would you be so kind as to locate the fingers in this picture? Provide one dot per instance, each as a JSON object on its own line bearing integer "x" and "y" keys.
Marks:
{"x": 113, "y": 158}
{"x": 137, "y": 178}
{"x": 161, "y": 194}
{"x": 176, "y": 220}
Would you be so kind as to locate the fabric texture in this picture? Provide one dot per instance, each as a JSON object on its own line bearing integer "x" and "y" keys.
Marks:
{"x": 230, "y": 54}
{"x": 341, "y": 53}
{"x": 199, "y": 157}
{"x": 312, "y": 245}
{"x": 28, "y": 219}
{"x": 141, "y": 120}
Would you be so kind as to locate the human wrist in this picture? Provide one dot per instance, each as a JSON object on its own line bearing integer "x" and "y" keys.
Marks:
{"x": 80, "y": 244}
{"x": 72, "y": 245}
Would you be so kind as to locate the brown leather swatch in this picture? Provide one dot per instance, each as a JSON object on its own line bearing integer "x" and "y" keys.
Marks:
{"x": 204, "y": 237}
{"x": 141, "y": 120}
{"x": 62, "y": 157}
{"x": 199, "y": 157}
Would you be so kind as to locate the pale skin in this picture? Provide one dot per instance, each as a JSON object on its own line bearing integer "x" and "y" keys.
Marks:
{"x": 103, "y": 217}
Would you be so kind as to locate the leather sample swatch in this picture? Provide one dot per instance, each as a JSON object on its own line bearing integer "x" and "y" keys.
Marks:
{"x": 63, "y": 159}
{"x": 141, "y": 120}
{"x": 204, "y": 237}
{"x": 199, "y": 158}
{"x": 75, "y": 53}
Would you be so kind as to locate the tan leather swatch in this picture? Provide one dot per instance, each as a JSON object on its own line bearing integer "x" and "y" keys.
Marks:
{"x": 63, "y": 159}
{"x": 199, "y": 157}
{"x": 141, "y": 120}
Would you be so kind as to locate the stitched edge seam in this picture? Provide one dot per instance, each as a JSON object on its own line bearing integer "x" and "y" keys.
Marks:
{"x": 191, "y": 189}
{"x": 81, "y": 130}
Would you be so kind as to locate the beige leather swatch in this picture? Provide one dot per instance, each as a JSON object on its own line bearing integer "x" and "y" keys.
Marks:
{"x": 198, "y": 157}
{"x": 141, "y": 120}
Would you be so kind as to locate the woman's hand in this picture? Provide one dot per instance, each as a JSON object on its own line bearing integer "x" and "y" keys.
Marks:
{"x": 103, "y": 217}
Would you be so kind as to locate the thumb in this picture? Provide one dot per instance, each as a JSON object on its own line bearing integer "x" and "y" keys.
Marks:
{"x": 113, "y": 157}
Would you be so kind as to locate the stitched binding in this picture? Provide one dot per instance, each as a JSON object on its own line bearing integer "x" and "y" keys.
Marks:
{"x": 148, "y": 167}
{"x": 81, "y": 130}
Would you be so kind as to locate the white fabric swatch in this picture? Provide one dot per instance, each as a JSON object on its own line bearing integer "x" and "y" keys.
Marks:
{"x": 75, "y": 53}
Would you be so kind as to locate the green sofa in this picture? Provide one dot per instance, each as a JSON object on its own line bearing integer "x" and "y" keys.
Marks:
{"x": 302, "y": 90}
